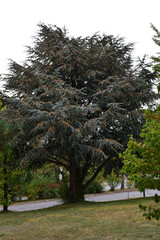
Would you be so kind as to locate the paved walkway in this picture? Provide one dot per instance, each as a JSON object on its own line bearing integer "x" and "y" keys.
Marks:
{"x": 28, "y": 206}
{"x": 104, "y": 197}
{"x": 120, "y": 196}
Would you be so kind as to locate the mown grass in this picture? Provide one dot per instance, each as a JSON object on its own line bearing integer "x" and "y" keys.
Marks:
{"x": 86, "y": 221}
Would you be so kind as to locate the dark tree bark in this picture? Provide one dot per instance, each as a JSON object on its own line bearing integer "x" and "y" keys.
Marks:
{"x": 76, "y": 193}
{"x": 122, "y": 182}
{"x": 5, "y": 186}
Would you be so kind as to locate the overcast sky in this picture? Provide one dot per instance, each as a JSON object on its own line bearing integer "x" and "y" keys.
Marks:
{"x": 127, "y": 18}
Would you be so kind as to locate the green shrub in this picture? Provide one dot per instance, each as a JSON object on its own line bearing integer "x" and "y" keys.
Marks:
{"x": 41, "y": 191}
{"x": 94, "y": 187}
{"x": 36, "y": 184}
{"x": 63, "y": 191}
{"x": 47, "y": 190}
{"x": 113, "y": 181}
{"x": 31, "y": 192}
{"x": 42, "y": 185}
{"x": 130, "y": 183}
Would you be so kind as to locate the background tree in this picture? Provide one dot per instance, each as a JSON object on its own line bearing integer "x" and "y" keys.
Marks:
{"x": 8, "y": 165}
{"x": 156, "y": 59}
{"x": 78, "y": 99}
{"x": 142, "y": 159}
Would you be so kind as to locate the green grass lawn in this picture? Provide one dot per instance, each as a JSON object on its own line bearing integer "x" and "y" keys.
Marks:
{"x": 87, "y": 221}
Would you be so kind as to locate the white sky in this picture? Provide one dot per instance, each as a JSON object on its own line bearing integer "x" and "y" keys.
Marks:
{"x": 127, "y": 18}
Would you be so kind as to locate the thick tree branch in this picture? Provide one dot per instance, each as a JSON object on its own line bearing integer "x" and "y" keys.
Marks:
{"x": 57, "y": 162}
{"x": 94, "y": 176}
{"x": 86, "y": 167}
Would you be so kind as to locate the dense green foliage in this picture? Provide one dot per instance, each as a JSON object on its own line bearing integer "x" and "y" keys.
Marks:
{"x": 34, "y": 184}
{"x": 142, "y": 159}
{"x": 78, "y": 99}
{"x": 9, "y": 169}
{"x": 156, "y": 59}
{"x": 113, "y": 181}
{"x": 94, "y": 187}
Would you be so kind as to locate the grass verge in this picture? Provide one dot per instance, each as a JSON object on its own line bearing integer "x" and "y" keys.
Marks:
{"x": 87, "y": 221}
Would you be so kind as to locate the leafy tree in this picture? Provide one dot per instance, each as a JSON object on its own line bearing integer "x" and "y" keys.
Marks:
{"x": 142, "y": 159}
{"x": 78, "y": 99}
{"x": 8, "y": 170}
{"x": 156, "y": 59}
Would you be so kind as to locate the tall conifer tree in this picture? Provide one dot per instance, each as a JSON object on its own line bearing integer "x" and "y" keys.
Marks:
{"x": 78, "y": 99}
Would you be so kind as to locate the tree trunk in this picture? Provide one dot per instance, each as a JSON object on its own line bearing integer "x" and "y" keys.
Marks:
{"x": 76, "y": 193}
{"x": 5, "y": 187}
{"x": 5, "y": 204}
{"x": 122, "y": 182}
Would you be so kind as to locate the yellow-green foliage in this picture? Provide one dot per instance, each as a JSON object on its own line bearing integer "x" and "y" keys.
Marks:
{"x": 8, "y": 171}
{"x": 142, "y": 159}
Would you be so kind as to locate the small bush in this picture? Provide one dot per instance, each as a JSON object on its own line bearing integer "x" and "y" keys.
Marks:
{"x": 113, "y": 181}
{"x": 31, "y": 192}
{"x": 63, "y": 191}
{"x": 37, "y": 184}
{"x": 39, "y": 187}
{"x": 94, "y": 187}
{"x": 129, "y": 183}
{"x": 47, "y": 190}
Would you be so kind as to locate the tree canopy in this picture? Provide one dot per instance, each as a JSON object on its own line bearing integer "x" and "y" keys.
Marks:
{"x": 78, "y": 99}
{"x": 8, "y": 163}
{"x": 142, "y": 158}
{"x": 156, "y": 59}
